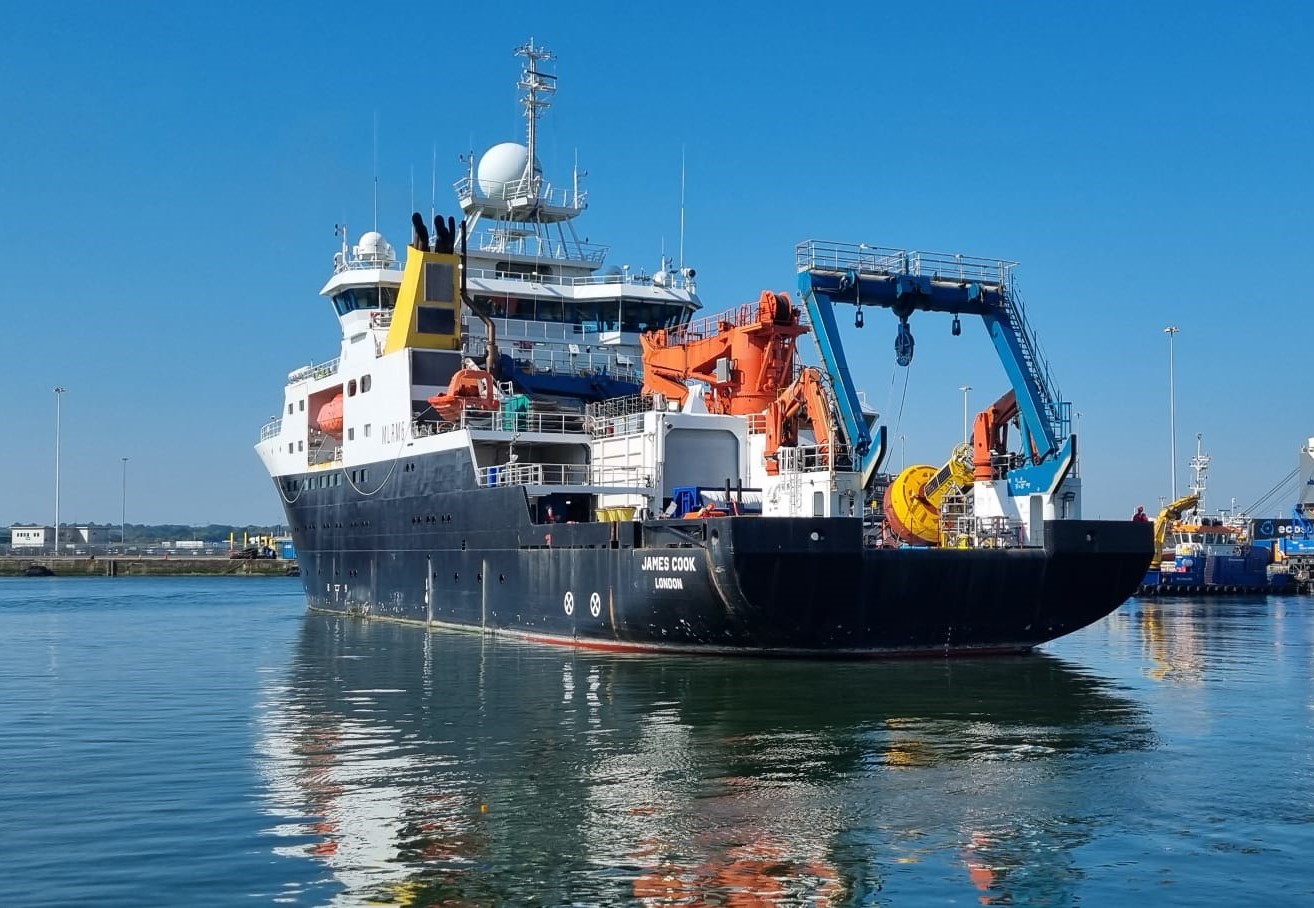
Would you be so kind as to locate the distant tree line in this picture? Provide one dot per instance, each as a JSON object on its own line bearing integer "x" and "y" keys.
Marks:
{"x": 212, "y": 532}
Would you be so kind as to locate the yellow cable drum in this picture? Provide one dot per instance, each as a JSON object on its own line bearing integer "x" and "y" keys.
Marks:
{"x": 913, "y": 500}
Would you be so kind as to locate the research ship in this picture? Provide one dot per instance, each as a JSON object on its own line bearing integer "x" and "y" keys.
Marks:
{"x": 515, "y": 439}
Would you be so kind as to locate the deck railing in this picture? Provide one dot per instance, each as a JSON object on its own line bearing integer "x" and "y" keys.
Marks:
{"x": 816, "y": 255}
{"x": 313, "y": 371}
{"x": 562, "y": 474}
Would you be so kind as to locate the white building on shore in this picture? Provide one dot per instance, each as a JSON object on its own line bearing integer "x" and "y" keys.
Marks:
{"x": 34, "y": 536}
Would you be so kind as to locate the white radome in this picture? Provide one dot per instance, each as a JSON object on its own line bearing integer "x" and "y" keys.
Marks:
{"x": 372, "y": 241}
{"x": 502, "y": 164}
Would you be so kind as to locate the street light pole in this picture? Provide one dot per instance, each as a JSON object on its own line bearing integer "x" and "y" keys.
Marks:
{"x": 965, "y": 389}
{"x": 59, "y": 396}
{"x": 123, "y": 514}
{"x": 1171, "y": 331}
{"x": 903, "y": 444}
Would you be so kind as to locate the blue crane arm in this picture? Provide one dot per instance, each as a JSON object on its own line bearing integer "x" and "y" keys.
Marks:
{"x": 826, "y": 331}
{"x": 907, "y": 282}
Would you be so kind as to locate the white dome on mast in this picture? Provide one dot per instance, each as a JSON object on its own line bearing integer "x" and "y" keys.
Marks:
{"x": 502, "y": 168}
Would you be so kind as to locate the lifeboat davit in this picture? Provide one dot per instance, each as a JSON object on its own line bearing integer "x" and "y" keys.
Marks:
{"x": 329, "y": 418}
{"x": 469, "y": 389}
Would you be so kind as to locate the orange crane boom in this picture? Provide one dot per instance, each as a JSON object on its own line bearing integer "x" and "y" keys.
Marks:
{"x": 744, "y": 356}
{"x": 807, "y": 393}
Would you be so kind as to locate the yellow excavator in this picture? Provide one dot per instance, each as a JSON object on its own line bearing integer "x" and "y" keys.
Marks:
{"x": 1164, "y": 522}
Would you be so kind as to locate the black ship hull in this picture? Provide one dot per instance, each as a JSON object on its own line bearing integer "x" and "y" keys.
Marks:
{"x": 430, "y": 546}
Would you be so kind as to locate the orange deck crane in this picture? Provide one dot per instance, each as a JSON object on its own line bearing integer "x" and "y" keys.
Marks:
{"x": 744, "y": 356}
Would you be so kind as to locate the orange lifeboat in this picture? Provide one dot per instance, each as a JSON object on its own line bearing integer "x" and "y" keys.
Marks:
{"x": 470, "y": 389}
{"x": 329, "y": 418}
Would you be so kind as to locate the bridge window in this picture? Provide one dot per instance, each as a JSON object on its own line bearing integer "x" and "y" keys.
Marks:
{"x": 550, "y": 310}
{"x": 595, "y": 315}
{"x": 354, "y": 298}
{"x": 364, "y": 383}
{"x": 351, "y": 388}
{"x": 640, "y": 316}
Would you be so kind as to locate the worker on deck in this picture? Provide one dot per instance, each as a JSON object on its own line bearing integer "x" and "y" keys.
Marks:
{"x": 1140, "y": 516}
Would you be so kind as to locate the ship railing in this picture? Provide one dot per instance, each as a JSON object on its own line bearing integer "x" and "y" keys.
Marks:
{"x": 1057, "y": 413}
{"x": 817, "y": 255}
{"x": 815, "y": 458}
{"x": 368, "y": 263}
{"x": 622, "y": 415}
{"x": 500, "y": 241}
{"x": 670, "y": 280}
{"x": 525, "y": 189}
{"x": 314, "y": 371}
{"x": 561, "y": 360}
{"x": 563, "y": 474}
{"x": 271, "y": 428}
{"x": 523, "y": 421}
{"x": 519, "y": 337}
{"x": 984, "y": 533}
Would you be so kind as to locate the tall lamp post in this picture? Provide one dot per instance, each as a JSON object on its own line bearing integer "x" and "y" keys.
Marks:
{"x": 123, "y": 514}
{"x": 1171, "y": 331}
{"x": 965, "y": 389}
{"x": 59, "y": 396}
{"x": 903, "y": 445}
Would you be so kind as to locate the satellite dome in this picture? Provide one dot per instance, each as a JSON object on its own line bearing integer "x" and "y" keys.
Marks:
{"x": 373, "y": 247}
{"x": 503, "y": 164}
{"x": 372, "y": 241}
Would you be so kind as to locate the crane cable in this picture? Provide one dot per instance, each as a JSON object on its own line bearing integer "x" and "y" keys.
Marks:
{"x": 1264, "y": 500}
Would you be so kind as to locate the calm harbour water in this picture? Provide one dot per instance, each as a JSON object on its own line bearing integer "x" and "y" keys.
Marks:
{"x": 206, "y": 742}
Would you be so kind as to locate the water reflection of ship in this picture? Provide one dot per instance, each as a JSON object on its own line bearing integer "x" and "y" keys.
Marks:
{"x": 423, "y": 767}
{"x": 1183, "y": 637}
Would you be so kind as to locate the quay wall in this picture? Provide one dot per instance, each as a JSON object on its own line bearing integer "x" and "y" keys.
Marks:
{"x": 147, "y": 565}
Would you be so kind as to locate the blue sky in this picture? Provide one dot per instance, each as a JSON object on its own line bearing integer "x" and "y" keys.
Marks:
{"x": 171, "y": 175}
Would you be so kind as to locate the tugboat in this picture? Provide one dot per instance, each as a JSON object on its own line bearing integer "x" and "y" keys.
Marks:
{"x": 1198, "y": 554}
{"x": 715, "y": 502}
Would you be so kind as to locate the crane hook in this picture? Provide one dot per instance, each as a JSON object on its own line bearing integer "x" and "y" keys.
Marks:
{"x": 903, "y": 344}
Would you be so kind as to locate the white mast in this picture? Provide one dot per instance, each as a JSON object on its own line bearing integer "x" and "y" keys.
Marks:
{"x": 539, "y": 88}
{"x": 681, "y": 210}
{"x": 1199, "y": 468}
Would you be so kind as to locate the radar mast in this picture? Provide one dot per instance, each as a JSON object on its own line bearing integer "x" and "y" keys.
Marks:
{"x": 539, "y": 88}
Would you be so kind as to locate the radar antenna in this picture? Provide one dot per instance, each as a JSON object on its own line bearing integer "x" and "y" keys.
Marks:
{"x": 539, "y": 88}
